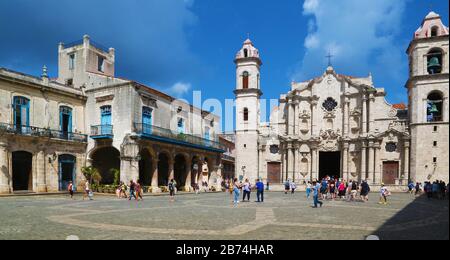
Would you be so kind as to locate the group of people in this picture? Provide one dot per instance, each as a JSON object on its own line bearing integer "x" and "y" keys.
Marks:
{"x": 331, "y": 188}
{"x": 437, "y": 189}
{"x": 135, "y": 188}
{"x": 246, "y": 187}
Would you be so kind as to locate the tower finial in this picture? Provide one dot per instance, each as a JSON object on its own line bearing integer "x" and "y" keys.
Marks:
{"x": 44, "y": 72}
{"x": 329, "y": 56}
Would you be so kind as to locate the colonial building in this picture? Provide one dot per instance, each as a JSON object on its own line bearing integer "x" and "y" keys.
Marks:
{"x": 340, "y": 125}
{"x": 50, "y": 129}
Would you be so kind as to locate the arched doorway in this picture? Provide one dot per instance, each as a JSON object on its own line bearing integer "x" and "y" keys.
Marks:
{"x": 104, "y": 160}
{"x": 145, "y": 168}
{"x": 180, "y": 170}
{"x": 163, "y": 169}
{"x": 67, "y": 171}
{"x": 22, "y": 163}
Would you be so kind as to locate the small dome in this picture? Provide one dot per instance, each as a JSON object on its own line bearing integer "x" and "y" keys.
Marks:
{"x": 248, "y": 51}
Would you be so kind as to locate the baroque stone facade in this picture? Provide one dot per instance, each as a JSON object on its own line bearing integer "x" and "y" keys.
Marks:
{"x": 339, "y": 125}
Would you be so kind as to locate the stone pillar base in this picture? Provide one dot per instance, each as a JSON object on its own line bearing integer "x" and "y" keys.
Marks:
{"x": 4, "y": 189}
{"x": 188, "y": 188}
{"x": 42, "y": 188}
{"x": 156, "y": 190}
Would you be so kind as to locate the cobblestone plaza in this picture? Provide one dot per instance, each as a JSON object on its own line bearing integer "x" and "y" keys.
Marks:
{"x": 212, "y": 217}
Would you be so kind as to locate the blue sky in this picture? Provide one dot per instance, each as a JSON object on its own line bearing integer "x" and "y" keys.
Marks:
{"x": 182, "y": 45}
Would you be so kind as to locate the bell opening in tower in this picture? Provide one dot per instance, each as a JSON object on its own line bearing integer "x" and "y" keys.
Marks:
{"x": 329, "y": 165}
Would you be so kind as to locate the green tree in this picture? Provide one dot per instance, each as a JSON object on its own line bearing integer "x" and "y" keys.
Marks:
{"x": 91, "y": 174}
{"x": 116, "y": 174}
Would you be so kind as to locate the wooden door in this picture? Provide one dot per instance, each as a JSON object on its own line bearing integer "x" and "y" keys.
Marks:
{"x": 390, "y": 172}
{"x": 274, "y": 172}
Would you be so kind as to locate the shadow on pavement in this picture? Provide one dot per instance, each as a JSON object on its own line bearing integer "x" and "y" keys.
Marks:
{"x": 422, "y": 219}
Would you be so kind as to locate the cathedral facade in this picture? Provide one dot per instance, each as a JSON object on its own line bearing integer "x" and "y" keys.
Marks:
{"x": 339, "y": 125}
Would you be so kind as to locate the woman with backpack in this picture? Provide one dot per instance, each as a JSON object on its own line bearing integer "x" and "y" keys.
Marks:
{"x": 384, "y": 193}
{"x": 172, "y": 190}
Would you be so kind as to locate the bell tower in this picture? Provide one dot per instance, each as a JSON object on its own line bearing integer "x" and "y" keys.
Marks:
{"x": 428, "y": 92}
{"x": 247, "y": 93}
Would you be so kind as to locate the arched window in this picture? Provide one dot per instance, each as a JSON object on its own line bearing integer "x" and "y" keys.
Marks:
{"x": 434, "y": 31}
{"x": 245, "y": 76}
{"x": 434, "y": 61}
{"x": 434, "y": 107}
{"x": 245, "y": 53}
{"x": 245, "y": 114}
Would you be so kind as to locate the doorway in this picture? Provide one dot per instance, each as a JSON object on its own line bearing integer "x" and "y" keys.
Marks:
{"x": 390, "y": 172}
{"x": 274, "y": 172}
{"x": 22, "y": 174}
{"x": 329, "y": 164}
{"x": 66, "y": 171}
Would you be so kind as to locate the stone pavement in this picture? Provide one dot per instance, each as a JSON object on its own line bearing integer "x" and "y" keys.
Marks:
{"x": 212, "y": 216}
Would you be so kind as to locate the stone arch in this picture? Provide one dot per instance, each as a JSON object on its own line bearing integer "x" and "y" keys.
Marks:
{"x": 180, "y": 169}
{"x": 435, "y": 106}
{"x": 145, "y": 167}
{"x": 105, "y": 159}
{"x": 164, "y": 160}
{"x": 435, "y": 58}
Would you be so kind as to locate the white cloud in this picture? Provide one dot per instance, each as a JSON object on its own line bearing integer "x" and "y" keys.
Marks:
{"x": 179, "y": 89}
{"x": 360, "y": 34}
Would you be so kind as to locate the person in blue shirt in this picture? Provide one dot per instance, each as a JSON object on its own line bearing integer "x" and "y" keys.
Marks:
{"x": 259, "y": 190}
{"x": 316, "y": 190}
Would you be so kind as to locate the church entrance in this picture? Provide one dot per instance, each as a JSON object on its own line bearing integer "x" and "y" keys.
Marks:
{"x": 329, "y": 164}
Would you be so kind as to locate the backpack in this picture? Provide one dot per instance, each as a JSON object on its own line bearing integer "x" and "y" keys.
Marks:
{"x": 171, "y": 188}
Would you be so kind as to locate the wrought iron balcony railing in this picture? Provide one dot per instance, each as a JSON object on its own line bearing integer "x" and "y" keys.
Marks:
{"x": 42, "y": 132}
{"x": 102, "y": 131}
{"x": 154, "y": 131}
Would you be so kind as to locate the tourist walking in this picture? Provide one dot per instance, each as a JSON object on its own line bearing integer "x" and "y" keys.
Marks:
{"x": 353, "y": 191}
{"x": 70, "y": 188}
{"x": 172, "y": 190}
{"x": 418, "y": 188}
{"x": 332, "y": 189}
{"x": 384, "y": 193}
{"x": 341, "y": 190}
{"x": 87, "y": 191}
{"x": 246, "y": 190}
{"x": 132, "y": 190}
{"x": 308, "y": 189}
{"x": 365, "y": 189}
{"x": 316, "y": 191}
{"x": 236, "y": 191}
{"x": 293, "y": 187}
{"x": 287, "y": 186}
{"x": 139, "y": 191}
{"x": 259, "y": 190}
{"x": 324, "y": 188}
{"x": 411, "y": 187}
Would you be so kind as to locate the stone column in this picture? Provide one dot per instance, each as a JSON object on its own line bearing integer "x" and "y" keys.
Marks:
{"x": 314, "y": 158}
{"x": 283, "y": 165}
{"x": 296, "y": 118}
{"x": 345, "y": 174}
{"x": 155, "y": 186}
{"x": 346, "y": 116}
{"x": 290, "y": 159}
{"x": 41, "y": 185}
{"x": 377, "y": 174}
{"x": 297, "y": 163}
{"x": 4, "y": 169}
{"x": 445, "y": 109}
{"x": 371, "y": 164}
{"x": 290, "y": 119}
{"x": 371, "y": 113}
{"x": 188, "y": 183}
{"x": 406, "y": 160}
{"x": 364, "y": 115}
{"x": 363, "y": 174}
{"x": 313, "y": 117}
